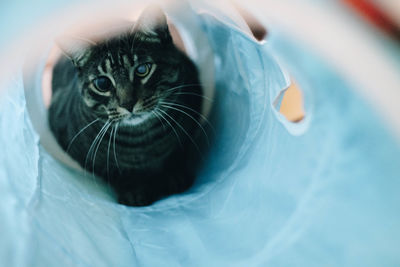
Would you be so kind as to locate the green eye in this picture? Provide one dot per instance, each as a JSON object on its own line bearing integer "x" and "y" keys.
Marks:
{"x": 143, "y": 70}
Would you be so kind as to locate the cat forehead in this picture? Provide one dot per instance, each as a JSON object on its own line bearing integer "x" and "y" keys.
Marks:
{"x": 115, "y": 67}
{"x": 119, "y": 65}
{"x": 115, "y": 60}
{"x": 120, "y": 52}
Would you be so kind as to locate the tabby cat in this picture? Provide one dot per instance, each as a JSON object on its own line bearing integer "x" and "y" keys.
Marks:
{"x": 127, "y": 109}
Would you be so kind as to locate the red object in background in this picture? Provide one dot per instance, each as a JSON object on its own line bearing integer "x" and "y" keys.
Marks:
{"x": 374, "y": 14}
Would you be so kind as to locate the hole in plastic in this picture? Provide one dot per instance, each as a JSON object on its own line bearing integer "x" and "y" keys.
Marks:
{"x": 292, "y": 105}
{"x": 290, "y": 102}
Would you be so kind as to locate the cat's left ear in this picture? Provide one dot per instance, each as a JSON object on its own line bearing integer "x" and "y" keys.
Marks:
{"x": 77, "y": 49}
{"x": 153, "y": 25}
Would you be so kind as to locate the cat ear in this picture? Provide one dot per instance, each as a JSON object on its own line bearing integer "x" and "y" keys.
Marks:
{"x": 77, "y": 49}
{"x": 153, "y": 25}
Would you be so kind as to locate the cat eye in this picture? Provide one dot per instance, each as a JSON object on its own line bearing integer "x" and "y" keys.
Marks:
{"x": 143, "y": 70}
{"x": 103, "y": 84}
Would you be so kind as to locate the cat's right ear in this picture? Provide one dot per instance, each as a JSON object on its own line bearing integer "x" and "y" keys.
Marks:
{"x": 77, "y": 49}
{"x": 152, "y": 23}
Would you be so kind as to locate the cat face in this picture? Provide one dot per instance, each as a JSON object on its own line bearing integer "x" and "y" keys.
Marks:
{"x": 125, "y": 77}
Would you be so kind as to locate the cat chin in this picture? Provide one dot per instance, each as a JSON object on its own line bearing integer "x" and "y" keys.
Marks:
{"x": 136, "y": 119}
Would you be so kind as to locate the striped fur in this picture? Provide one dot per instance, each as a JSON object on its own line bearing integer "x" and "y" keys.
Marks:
{"x": 142, "y": 136}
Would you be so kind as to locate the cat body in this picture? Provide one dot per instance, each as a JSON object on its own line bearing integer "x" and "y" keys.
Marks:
{"x": 127, "y": 109}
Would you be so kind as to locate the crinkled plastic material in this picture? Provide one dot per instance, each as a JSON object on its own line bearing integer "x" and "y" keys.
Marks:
{"x": 322, "y": 192}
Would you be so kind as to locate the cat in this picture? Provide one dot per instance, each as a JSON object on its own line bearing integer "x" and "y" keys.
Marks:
{"x": 128, "y": 109}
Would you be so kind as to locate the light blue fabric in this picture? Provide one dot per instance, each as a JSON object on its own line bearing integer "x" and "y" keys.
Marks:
{"x": 324, "y": 192}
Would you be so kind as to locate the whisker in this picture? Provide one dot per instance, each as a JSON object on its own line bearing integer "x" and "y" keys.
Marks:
{"x": 98, "y": 146}
{"x": 152, "y": 98}
{"x": 108, "y": 156}
{"x": 194, "y": 94}
{"x": 90, "y": 152}
{"x": 190, "y": 116}
{"x": 172, "y": 127}
{"x": 147, "y": 105}
{"x": 196, "y": 112}
{"x": 156, "y": 114}
{"x": 182, "y": 86}
{"x": 183, "y": 129}
{"x": 115, "y": 154}
{"x": 81, "y": 131}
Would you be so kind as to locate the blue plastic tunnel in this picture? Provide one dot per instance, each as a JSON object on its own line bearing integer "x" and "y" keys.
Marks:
{"x": 320, "y": 192}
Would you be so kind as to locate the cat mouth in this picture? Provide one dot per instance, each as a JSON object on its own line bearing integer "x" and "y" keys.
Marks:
{"x": 134, "y": 118}
{"x": 118, "y": 117}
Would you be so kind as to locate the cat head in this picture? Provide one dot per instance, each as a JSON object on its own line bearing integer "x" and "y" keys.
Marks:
{"x": 128, "y": 73}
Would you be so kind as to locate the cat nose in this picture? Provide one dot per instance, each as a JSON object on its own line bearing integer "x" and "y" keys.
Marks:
{"x": 128, "y": 105}
{"x": 127, "y": 99}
